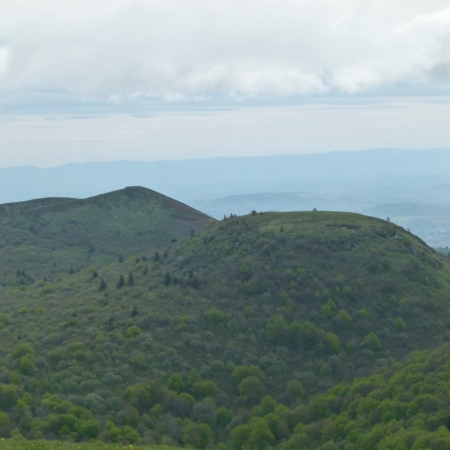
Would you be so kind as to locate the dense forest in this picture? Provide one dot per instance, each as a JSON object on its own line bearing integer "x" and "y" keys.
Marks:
{"x": 274, "y": 330}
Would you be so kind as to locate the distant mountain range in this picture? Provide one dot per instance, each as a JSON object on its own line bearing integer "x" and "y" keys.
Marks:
{"x": 411, "y": 187}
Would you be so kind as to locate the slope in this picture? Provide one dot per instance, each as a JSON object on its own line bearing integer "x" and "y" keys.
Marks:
{"x": 181, "y": 346}
{"x": 401, "y": 407}
{"x": 44, "y": 237}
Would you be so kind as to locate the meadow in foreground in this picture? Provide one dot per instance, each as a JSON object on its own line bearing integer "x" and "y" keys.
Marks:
{"x": 19, "y": 444}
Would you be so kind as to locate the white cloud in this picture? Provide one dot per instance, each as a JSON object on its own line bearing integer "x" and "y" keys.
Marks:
{"x": 117, "y": 50}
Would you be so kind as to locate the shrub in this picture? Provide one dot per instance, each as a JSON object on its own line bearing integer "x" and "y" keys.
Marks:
{"x": 133, "y": 331}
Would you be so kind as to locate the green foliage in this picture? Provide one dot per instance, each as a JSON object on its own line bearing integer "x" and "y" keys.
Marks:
{"x": 255, "y": 435}
{"x": 193, "y": 377}
{"x": 344, "y": 319}
{"x": 197, "y": 435}
{"x": 22, "y": 350}
{"x": 240, "y": 346}
{"x": 372, "y": 342}
{"x": 133, "y": 331}
{"x": 204, "y": 389}
{"x": 276, "y": 328}
{"x": 215, "y": 315}
{"x": 175, "y": 383}
{"x": 48, "y": 237}
{"x": 329, "y": 309}
{"x": 26, "y": 365}
{"x": 400, "y": 324}
{"x": 252, "y": 388}
{"x": 295, "y": 389}
{"x": 242, "y": 372}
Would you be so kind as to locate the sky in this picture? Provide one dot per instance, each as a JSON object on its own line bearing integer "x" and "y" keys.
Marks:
{"x": 174, "y": 79}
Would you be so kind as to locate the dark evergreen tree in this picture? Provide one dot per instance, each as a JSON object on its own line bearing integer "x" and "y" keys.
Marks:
{"x": 121, "y": 282}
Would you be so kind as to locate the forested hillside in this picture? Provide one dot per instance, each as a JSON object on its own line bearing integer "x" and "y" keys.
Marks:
{"x": 44, "y": 237}
{"x": 238, "y": 336}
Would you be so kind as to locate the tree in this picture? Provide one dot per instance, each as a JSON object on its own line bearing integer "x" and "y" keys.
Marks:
{"x": 175, "y": 383}
{"x": 130, "y": 279}
{"x": 295, "y": 389}
{"x": 102, "y": 286}
{"x": 242, "y": 372}
{"x": 343, "y": 319}
{"x": 329, "y": 309}
{"x": 22, "y": 350}
{"x": 139, "y": 395}
{"x": 204, "y": 389}
{"x": 215, "y": 315}
{"x": 26, "y": 365}
{"x": 372, "y": 342}
{"x": 252, "y": 388}
{"x": 90, "y": 428}
{"x": 240, "y": 435}
{"x": 276, "y": 328}
{"x": 400, "y": 324}
{"x": 133, "y": 331}
{"x": 193, "y": 377}
{"x": 260, "y": 436}
{"x": 120, "y": 282}
{"x": 196, "y": 435}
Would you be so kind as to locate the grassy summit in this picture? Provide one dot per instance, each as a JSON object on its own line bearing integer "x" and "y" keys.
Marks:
{"x": 231, "y": 334}
{"x": 46, "y": 236}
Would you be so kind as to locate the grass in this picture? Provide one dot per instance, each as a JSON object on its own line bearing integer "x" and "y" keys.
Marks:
{"x": 20, "y": 444}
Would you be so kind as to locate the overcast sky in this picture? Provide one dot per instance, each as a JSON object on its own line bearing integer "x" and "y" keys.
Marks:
{"x": 161, "y": 79}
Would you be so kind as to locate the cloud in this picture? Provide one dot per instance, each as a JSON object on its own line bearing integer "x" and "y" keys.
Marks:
{"x": 121, "y": 50}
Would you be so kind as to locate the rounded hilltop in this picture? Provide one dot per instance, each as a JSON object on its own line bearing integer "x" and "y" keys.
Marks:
{"x": 56, "y": 234}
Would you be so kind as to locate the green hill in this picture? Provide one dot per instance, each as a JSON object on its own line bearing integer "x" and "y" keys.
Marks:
{"x": 402, "y": 407}
{"x": 230, "y": 334}
{"x": 49, "y": 236}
